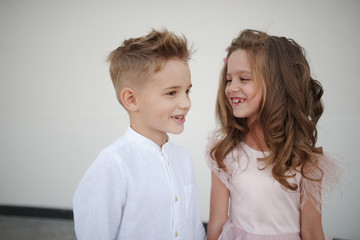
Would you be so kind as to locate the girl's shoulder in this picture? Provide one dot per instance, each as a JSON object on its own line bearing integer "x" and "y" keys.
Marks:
{"x": 327, "y": 169}
{"x": 212, "y": 139}
{"x": 223, "y": 174}
{"x": 321, "y": 179}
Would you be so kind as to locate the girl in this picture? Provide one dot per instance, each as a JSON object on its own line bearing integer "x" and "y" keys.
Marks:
{"x": 264, "y": 155}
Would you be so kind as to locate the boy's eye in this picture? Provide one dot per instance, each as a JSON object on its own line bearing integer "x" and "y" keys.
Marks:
{"x": 188, "y": 91}
{"x": 172, "y": 93}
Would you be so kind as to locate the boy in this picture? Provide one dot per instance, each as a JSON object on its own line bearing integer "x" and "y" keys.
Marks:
{"x": 142, "y": 186}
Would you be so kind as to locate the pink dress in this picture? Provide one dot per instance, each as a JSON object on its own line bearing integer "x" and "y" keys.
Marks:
{"x": 260, "y": 208}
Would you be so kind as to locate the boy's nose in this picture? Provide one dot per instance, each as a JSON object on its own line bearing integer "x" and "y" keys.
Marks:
{"x": 185, "y": 102}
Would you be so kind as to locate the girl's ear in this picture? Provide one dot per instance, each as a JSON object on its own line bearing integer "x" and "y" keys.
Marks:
{"x": 128, "y": 99}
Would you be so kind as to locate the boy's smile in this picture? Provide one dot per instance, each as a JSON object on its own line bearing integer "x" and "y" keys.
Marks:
{"x": 180, "y": 118}
{"x": 163, "y": 102}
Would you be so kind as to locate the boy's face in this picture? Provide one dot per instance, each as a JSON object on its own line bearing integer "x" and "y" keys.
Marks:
{"x": 164, "y": 102}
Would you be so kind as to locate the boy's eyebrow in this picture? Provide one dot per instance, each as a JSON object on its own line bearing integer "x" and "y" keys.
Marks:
{"x": 173, "y": 87}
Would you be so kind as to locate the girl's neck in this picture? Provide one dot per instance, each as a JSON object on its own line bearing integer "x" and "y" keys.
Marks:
{"x": 255, "y": 138}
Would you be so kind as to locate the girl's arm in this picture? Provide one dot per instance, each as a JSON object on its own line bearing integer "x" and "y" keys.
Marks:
{"x": 311, "y": 225}
{"x": 219, "y": 205}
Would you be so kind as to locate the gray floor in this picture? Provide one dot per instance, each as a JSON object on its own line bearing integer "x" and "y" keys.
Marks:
{"x": 26, "y": 228}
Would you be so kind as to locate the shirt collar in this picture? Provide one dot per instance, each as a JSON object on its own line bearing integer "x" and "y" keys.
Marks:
{"x": 145, "y": 142}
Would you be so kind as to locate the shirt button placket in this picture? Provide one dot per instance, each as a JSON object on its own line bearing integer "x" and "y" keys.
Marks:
{"x": 176, "y": 199}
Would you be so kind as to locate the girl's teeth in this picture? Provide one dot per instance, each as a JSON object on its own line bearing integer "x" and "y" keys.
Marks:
{"x": 238, "y": 100}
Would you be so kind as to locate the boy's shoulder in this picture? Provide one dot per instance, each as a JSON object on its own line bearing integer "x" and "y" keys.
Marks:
{"x": 121, "y": 145}
{"x": 120, "y": 142}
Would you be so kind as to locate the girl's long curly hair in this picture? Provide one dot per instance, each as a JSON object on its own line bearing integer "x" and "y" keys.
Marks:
{"x": 290, "y": 110}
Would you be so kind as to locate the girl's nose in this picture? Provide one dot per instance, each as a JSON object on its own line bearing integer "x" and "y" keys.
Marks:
{"x": 233, "y": 87}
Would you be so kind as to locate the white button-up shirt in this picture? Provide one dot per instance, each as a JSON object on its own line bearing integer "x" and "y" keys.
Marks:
{"x": 136, "y": 190}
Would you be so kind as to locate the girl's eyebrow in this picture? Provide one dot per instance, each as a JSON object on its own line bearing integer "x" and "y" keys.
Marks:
{"x": 239, "y": 72}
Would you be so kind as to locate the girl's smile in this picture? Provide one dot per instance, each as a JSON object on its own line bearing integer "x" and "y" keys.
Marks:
{"x": 242, "y": 91}
{"x": 237, "y": 100}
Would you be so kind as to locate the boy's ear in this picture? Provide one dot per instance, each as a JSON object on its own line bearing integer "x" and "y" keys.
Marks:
{"x": 128, "y": 99}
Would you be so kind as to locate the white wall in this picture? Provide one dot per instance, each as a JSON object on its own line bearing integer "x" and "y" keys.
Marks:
{"x": 58, "y": 108}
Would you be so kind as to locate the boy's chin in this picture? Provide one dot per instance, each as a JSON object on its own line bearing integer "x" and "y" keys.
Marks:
{"x": 176, "y": 131}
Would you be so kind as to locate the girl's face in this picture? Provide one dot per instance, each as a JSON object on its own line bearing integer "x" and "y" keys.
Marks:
{"x": 243, "y": 92}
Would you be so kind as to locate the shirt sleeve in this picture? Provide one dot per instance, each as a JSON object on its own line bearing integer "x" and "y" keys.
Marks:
{"x": 317, "y": 191}
{"x": 98, "y": 200}
{"x": 199, "y": 231}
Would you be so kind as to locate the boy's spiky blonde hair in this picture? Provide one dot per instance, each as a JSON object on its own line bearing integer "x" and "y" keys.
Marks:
{"x": 137, "y": 59}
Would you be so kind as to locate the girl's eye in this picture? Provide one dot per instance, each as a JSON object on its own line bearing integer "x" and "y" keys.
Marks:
{"x": 228, "y": 81}
{"x": 188, "y": 92}
{"x": 172, "y": 93}
{"x": 244, "y": 79}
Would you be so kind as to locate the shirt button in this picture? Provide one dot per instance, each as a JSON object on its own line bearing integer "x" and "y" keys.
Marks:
{"x": 176, "y": 198}
{"x": 176, "y": 234}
